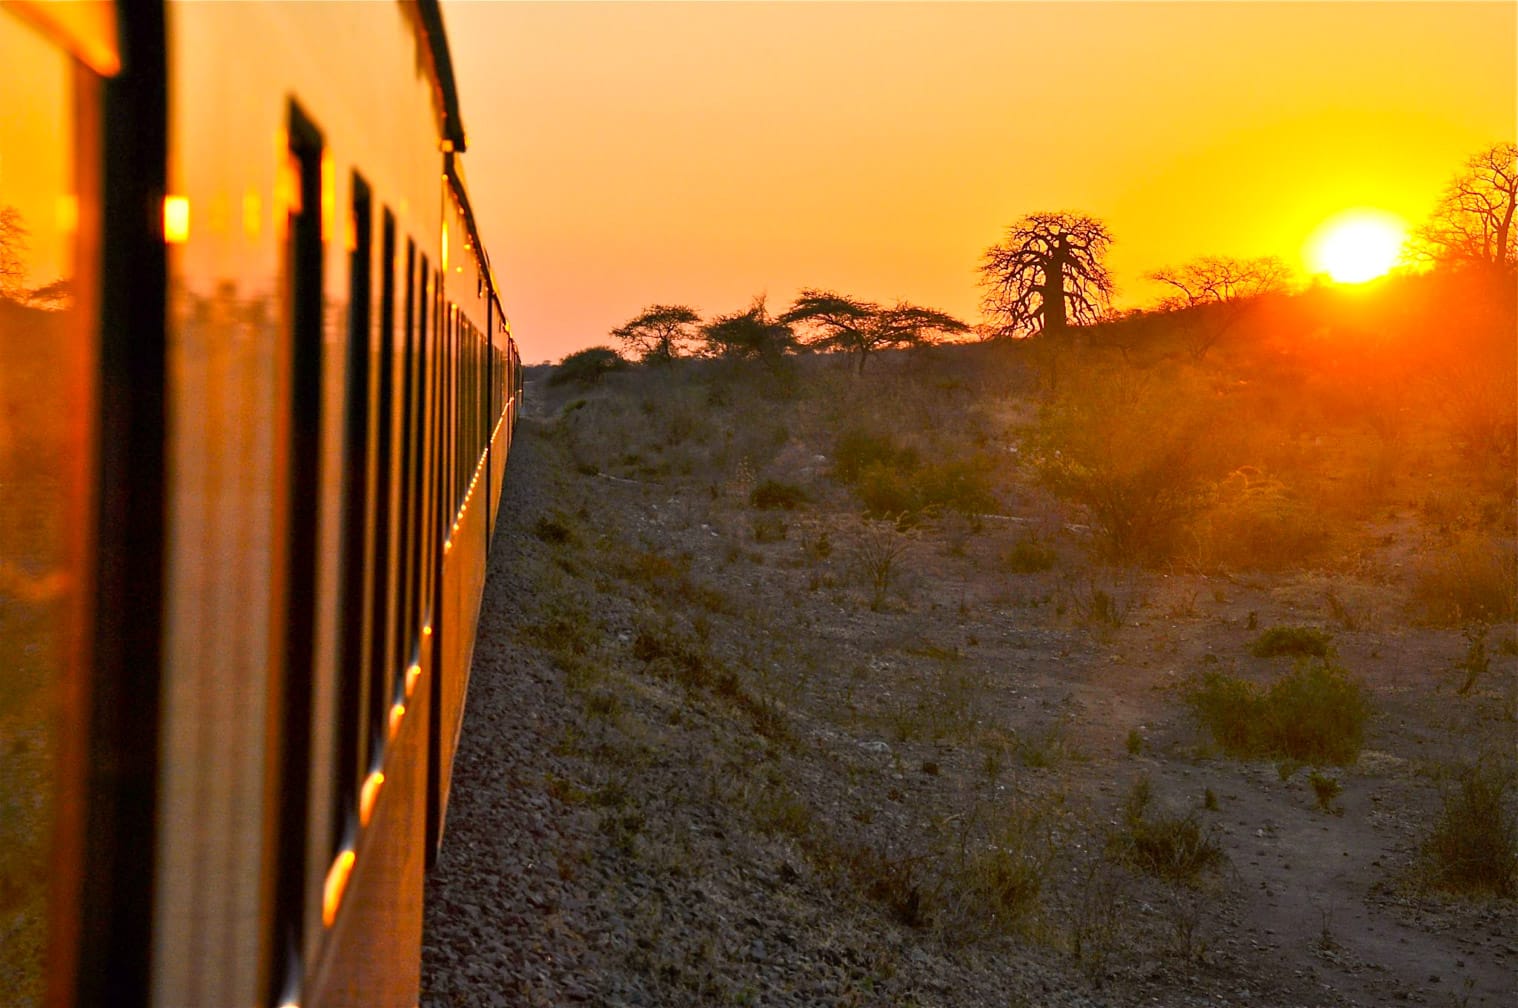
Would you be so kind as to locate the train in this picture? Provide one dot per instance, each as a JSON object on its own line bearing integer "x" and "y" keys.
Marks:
{"x": 257, "y": 394}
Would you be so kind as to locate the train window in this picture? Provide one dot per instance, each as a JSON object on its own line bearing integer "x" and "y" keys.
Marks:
{"x": 424, "y": 443}
{"x": 352, "y": 659}
{"x": 419, "y": 462}
{"x": 293, "y": 691}
{"x": 381, "y": 613}
{"x": 48, "y": 357}
{"x": 406, "y": 559}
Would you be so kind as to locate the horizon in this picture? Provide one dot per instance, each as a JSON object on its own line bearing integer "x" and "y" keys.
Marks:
{"x": 628, "y": 154}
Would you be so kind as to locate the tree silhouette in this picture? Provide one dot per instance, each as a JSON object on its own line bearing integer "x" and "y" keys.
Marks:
{"x": 1472, "y": 224}
{"x": 13, "y": 234}
{"x": 1046, "y": 273}
{"x": 660, "y": 333}
{"x": 862, "y": 327}
{"x": 752, "y": 333}
{"x": 1214, "y": 292}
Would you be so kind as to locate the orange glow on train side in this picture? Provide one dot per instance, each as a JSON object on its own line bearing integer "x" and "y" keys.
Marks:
{"x": 252, "y": 214}
{"x": 412, "y": 675}
{"x": 368, "y": 795}
{"x": 176, "y": 219}
{"x": 336, "y": 884}
{"x": 397, "y": 714}
{"x": 329, "y": 196}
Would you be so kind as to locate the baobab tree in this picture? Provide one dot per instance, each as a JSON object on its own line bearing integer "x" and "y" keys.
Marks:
{"x": 1472, "y": 224}
{"x": 1047, "y": 273}
{"x": 1216, "y": 291}
{"x": 13, "y": 234}
{"x": 660, "y": 332}
{"x": 837, "y": 322}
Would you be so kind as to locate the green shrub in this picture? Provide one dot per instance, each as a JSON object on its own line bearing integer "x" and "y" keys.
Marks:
{"x": 1029, "y": 556}
{"x": 587, "y": 367}
{"x": 1253, "y": 523}
{"x": 886, "y": 491}
{"x": 1137, "y": 451}
{"x": 1175, "y": 848}
{"x": 1476, "y": 580}
{"x": 1301, "y": 642}
{"x": 1325, "y": 789}
{"x": 1316, "y": 714}
{"x": 774, "y": 494}
{"x": 1473, "y": 847}
{"x": 769, "y": 529}
{"x": 554, "y": 529}
{"x": 858, "y": 450}
{"x": 895, "y": 491}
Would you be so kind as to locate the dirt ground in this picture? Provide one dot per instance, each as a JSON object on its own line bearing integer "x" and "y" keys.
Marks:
{"x": 908, "y": 788}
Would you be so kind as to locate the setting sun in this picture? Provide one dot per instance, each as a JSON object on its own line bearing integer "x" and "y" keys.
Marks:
{"x": 1358, "y": 245}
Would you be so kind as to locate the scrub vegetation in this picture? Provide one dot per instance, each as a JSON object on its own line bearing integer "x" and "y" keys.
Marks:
{"x": 1091, "y": 667}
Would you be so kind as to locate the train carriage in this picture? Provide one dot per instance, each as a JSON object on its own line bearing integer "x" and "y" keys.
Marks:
{"x": 244, "y": 527}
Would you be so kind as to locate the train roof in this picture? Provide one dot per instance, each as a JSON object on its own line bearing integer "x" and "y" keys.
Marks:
{"x": 452, "y": 125}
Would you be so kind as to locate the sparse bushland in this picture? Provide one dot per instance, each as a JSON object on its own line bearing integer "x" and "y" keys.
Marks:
{"x": 1314, "y": 485}
{"x": 1315, "y": 714}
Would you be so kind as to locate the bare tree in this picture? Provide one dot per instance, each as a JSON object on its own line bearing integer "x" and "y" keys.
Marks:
{"x": 1472, "y": 224}
{"x": 862, "y": 327}
{"x": 13, "y": 234}
{"x": 1214, "y": 292}
{"x": 1046, "y": 273}
{"x": 660, "y": 333}
{"x": 751, "y": 333}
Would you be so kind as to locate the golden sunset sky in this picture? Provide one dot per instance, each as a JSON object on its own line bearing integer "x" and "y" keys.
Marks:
{"x": 627, "y": 154}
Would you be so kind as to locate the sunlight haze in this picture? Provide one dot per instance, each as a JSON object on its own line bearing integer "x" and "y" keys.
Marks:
{"x": 622, "y": 155}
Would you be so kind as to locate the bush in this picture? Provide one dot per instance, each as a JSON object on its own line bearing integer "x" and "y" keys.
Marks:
{"x": 1252, "y": 523}
{"x": 1473, "y": 847}
{"x": 587, "y": 367}
{"x": 858, "y": 450}
{"x": 1291, "y": 640}
{"x": 1476, "y": 580}
{"x": 773, "y": 494}
{"x": 1316, "y": 714}
{"x": 1175, "y": 848}
{"x": 1029, "y": 556}
{"x": 899, "y": 491}
{"x": 1137, "y": 452}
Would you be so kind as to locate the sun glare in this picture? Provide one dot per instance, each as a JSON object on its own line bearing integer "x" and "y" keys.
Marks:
{"x": 1357, "y": 245}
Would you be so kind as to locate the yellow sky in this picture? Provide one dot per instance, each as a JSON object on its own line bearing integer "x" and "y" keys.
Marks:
{"x": 626, "y": 154}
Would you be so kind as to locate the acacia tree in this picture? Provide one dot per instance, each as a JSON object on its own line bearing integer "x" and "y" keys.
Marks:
{"x": 1217, "y": 291}
{"x": 1472, "y": 224}
{"x": 862, "y": 327}
{"x": 751, "y": 333}
{"x": 660, "y": 332}
{"x": 1046, "y": 273}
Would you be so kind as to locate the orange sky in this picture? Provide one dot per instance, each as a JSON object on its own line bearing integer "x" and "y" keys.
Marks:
{"x": 626, "y": 154}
